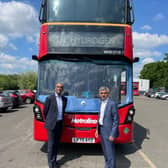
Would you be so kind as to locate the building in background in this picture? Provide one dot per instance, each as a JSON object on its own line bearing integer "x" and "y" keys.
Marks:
{"x": 144, "y": 84}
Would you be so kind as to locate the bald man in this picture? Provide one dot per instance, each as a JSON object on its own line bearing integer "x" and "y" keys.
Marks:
{"x": 54, "y": 114}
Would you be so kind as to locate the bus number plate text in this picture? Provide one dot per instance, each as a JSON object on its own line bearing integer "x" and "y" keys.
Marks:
{"x": 83, "y": 140}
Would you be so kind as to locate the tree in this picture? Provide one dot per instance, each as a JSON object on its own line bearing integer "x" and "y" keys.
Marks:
{"x": 157, "y": 73}
{"x": 166, "y": 57}
{"x": 3, "y": 82}
{"x": 27, "y": 80}
{"x": 12, "y": 81}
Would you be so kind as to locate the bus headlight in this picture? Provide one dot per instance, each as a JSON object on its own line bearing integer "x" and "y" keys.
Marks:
{"x": 37, "y": 113}
{"x": 130, "y": 115}
{"x": 37, "y": 109}
{"x": 131, "y": 112}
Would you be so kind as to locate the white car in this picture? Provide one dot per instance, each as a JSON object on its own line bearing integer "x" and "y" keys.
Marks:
{"x": 158, "y": 94}
{"x": 5, "y": 101}
{"x": 164, "y": 96}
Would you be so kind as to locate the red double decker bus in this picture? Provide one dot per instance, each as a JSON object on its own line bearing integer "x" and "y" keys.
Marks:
{"x": 135, "y": 88}
{"x": 85, "y": 45}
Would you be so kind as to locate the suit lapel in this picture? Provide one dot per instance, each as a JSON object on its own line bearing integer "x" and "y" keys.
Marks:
{"x": 55, "y": 102}
{"x": 106, "y": 108}
{"x": 99, "y": 110}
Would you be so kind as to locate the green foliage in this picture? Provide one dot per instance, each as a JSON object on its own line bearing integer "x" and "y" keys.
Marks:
{"x": 166, "y": 57}
{"x": 26, "y": 80}
{"x": 3, "y": 82}
{"x": 157, "y": 73}
{"x": 8, "y": 82}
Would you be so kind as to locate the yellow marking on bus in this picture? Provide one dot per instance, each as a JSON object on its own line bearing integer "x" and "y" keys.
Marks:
{"x": 86, "y": 24}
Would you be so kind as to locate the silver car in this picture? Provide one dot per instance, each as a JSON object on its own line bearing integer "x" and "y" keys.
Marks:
{"x": 5, "y": 101}
{"x": 164, "y": 96}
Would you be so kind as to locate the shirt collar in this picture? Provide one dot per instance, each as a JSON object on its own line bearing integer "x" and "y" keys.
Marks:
{"x": 57, "y": 95}
{"x": 105, "y": 101}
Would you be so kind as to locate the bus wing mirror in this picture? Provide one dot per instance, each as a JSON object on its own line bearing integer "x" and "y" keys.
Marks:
{"x": 34, "y": 57}
{"x": 130, "y": 15}
{"x": 42, "y": 13}
{"x": 136, "y": 59}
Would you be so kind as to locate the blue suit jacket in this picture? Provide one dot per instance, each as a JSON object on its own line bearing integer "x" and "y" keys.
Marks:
{"x": 111, "y": 119}
{"x": 51, "y": 111}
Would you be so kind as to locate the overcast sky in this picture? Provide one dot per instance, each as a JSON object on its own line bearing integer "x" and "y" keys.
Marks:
{"x": 19, "y": 31}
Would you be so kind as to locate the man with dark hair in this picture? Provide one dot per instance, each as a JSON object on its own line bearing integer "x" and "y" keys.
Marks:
{"x": 108, "y": 127}
{"x": 54, "y": 112}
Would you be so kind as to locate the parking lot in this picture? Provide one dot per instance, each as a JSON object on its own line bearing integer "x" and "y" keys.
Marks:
{"x": 149, "y": 150}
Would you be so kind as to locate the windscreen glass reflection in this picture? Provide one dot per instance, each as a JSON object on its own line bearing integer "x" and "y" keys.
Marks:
{"x": 87, "y": 10}
{"x": 81, "y": 80}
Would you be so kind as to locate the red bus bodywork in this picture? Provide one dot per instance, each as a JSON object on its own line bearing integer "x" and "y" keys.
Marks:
{"x": 73, "y": 124}
{"x": 128, "y": 48}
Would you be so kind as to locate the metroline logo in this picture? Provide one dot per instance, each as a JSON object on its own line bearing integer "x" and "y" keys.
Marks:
{"x": 83, "y": 121}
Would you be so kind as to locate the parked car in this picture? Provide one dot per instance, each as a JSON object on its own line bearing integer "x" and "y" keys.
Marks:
{"x": 158, "y": 94}
{"x": 164, "y": 96}
{"x": 149, "y": 94}
{"x": 27, "y": 95}
{"x": 15, "y": 96}
{"x": 5, "y": 101}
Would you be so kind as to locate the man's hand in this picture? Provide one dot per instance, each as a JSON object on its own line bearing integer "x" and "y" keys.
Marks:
{"x": 96, "y": 134}
{"x": 111, "y": 139}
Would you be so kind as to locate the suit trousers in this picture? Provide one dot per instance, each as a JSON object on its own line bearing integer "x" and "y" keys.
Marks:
{"x": 108, "y": 149}
{"x": 53, "y": 143}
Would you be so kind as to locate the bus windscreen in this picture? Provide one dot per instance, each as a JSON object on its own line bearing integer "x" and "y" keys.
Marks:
{"x": 106, "y": 11}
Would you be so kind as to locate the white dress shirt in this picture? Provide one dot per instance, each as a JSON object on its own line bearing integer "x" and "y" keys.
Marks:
{"x": 60, "y": 106}
{"x": 102, "y": 110}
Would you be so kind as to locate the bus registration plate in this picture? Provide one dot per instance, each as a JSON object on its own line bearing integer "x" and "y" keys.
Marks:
{"x": 83, "y": 140}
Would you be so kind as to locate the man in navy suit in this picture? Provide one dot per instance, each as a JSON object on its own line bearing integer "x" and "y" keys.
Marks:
{"x": 108, "y": 127}
{"x": 54, "y": 113}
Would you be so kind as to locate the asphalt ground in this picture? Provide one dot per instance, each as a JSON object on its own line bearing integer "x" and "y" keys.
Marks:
{"x": 149, "y": 150}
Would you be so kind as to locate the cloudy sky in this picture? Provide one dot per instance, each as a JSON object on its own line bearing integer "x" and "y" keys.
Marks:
{"x": 19, "y": 29}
